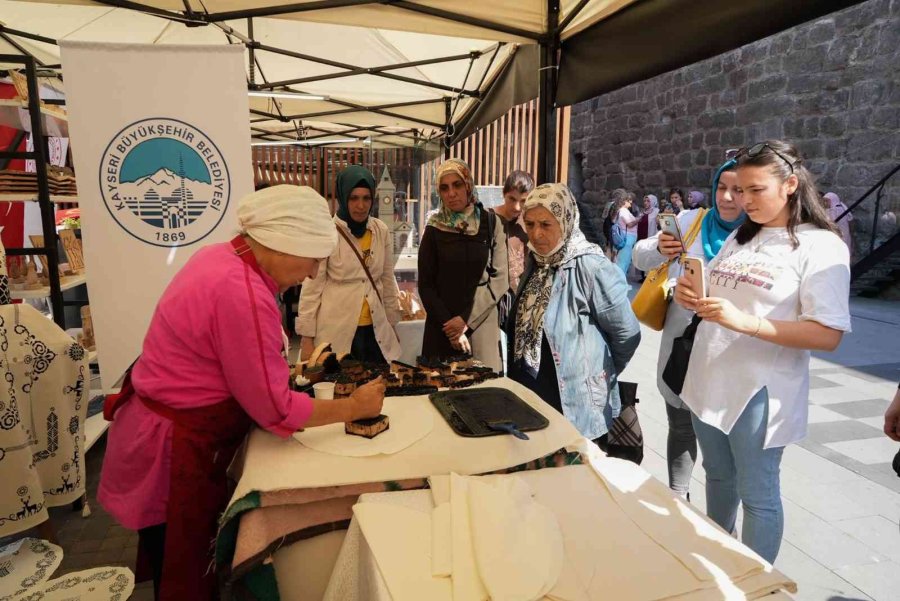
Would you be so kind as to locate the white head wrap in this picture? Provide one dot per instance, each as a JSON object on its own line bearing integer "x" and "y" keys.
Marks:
{"x": 291, "y": 219}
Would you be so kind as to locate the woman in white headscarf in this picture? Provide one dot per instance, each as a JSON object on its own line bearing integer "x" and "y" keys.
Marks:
{"x": 573, "y": 330}
{"x": 647, "y": 224}
{"x": 212, "y": 365}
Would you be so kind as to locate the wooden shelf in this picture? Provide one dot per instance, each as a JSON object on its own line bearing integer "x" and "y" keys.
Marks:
{"x": 29, "y": 197}
{"x": 94, "y": 427}
{"x": 65, "y": 283}
{"x": 14, "y": 113}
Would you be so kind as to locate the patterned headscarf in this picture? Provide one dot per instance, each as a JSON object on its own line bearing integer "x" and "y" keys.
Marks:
{"x": 468, "y": 221}
{"x": 535, "y": 296}
{"x": 354, "y": 176}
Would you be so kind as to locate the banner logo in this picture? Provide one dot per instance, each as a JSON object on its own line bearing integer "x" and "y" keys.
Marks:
{"x": 164, "y": 182}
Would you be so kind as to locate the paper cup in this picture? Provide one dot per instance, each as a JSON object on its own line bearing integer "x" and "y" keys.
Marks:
{"x": 323, "y": 390}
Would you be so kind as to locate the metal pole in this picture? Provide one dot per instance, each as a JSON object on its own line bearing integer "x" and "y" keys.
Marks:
{"x": 546, "y": 147}
{"x": 48, "y": 222}
{"x": 448, "y": 115}
{"x": 252, "y": 52}
{"x": 875, "y": 218}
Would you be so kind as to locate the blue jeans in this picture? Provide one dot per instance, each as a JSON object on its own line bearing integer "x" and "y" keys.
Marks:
{"x": 740, "y": 470}
{"x": 623, "y": 259}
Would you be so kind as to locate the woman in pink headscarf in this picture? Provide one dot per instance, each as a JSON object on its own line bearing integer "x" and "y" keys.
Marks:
{"x": 835, "y": 209}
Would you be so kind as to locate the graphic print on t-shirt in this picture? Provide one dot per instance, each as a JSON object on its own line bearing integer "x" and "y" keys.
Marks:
{"x": 744, "y": 267}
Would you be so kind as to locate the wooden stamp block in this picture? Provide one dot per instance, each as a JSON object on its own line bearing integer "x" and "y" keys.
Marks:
{"x": 368, "y": 428}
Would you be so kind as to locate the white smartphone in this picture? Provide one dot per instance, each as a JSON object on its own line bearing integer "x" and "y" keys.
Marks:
{"x": 695, "y": 271}
{"x": 668, "y": 223}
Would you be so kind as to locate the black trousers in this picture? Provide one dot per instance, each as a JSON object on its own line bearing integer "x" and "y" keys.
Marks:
{"x": 152, "y": 545}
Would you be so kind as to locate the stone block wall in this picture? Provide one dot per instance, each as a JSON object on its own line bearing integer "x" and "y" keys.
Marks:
{"x": 831, "y": 86}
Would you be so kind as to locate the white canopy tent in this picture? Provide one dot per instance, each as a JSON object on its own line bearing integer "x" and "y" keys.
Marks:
{"x": 403, "y": 72}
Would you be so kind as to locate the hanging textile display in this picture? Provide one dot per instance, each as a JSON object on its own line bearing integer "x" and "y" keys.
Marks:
{"x": 42, "y": 411}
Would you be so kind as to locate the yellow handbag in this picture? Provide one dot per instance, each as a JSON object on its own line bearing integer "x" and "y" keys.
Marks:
{"x": 651, "y": 302}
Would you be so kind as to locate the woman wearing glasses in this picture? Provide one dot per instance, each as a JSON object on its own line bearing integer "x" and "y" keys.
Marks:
{"x": 777, "y": 290}
{"x": 703, "y": 239}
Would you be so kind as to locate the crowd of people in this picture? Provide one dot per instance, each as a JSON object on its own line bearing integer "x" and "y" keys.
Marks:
{"x": 518, "y": 287}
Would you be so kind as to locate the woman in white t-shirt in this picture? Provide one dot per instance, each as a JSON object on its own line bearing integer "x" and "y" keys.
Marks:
{"x": 629, "y": 224}
{"x": 778, "y": 289}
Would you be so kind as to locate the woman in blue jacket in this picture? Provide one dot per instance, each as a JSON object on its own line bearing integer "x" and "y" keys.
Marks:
{"x": 574, "y": 330}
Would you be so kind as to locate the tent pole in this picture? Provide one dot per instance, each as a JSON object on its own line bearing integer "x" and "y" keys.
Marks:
{"x": 448, "y": 115}
{"x": 546, "y": 170}
{"x": 251, "y": 51}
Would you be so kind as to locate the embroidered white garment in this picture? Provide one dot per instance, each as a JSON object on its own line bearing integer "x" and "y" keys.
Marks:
{"x": 42, "y": 412}
{"x": 768, "y": 278}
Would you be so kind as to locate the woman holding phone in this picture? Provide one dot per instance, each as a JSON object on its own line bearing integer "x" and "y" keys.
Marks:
{"x": 778, "y": 289}
{"x": 716, "y": 224}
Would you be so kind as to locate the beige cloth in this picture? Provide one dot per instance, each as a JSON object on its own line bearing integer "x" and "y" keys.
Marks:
{"x": 293, "y": 220}
{"x": 43, "y": 406}
{"x": 331, "y": 303}
{"x": 272, "y": 463}
{"x": 485, "y": 316}
{"x": 607, "y": 545}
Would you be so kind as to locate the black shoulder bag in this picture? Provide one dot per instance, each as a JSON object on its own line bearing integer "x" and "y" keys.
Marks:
{"x": 677, "y": 365}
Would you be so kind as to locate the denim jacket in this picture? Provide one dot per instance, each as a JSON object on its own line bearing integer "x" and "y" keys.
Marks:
{"x": 593, "y": 334}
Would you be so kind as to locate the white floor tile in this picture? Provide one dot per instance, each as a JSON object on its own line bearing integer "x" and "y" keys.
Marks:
{"x": 882, "y": 389}
{"x": 875, "y": 422}
{"x": 840, "y": 394}
{"x": 819, "y": 414}
{"x": 823, "y": 470}
{"x": 823, "y": 500}
{"x": 814, "y": 581}
{"x": 876, "y": 532}
{"x": 867, "y": 450}
{"x": 881, "y": 581}
{"x": 823, "y": 542}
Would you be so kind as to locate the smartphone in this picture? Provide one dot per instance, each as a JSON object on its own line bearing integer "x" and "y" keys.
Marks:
{"x": 696, "y": 273}
{"x": 668, "y": 223}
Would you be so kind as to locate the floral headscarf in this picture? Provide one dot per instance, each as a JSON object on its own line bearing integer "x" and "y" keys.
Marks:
{"x": 535, "y": 296}
{"x": 467, "y": 221}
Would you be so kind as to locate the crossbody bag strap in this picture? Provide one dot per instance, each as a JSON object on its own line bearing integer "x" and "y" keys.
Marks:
{"x": 695, "y": 229}
{"x": 361, "y": 261}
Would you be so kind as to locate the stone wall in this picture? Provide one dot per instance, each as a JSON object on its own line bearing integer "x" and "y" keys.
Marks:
{"x": 831, "y": 86}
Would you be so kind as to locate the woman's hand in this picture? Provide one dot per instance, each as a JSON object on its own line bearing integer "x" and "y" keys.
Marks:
{"x": 454, "y": 328}
{"x": 367, "y": 400}
{"x": 462, "y": 344}
{"x": 685, "y": 295}
{"x": 724, "y": 313}
{"x": 892, "y": 419}
{"x": 669, "y": 246}
{"x": 307, "y": 346}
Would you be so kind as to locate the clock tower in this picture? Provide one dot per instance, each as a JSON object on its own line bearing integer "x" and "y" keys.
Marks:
{"x": 384, "y": 196}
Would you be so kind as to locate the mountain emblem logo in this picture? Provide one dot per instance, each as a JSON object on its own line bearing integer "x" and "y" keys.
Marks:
{"x": 165, "y": 182}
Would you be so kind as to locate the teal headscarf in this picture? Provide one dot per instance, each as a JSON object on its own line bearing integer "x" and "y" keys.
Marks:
{"x": 354, "y": 176}
{"x": 715, "y": 229}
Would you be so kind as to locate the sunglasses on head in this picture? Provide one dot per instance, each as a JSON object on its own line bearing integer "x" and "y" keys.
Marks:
{"x": 754, "y": 151}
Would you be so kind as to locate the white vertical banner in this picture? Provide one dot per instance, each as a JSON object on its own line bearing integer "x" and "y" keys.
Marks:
{"x": 161, "y": 141}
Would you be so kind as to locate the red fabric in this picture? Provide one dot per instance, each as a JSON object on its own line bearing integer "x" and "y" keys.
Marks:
{"x": 12, "y": 214}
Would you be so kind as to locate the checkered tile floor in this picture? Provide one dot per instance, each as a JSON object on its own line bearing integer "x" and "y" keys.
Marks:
{"x": 846, "y": 416}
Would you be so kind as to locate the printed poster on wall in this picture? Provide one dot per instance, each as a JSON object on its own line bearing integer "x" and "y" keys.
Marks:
{"x": 161, "y": 142}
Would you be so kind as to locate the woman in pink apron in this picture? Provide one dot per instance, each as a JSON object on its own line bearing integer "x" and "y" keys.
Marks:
{"x": 211, "y": 366}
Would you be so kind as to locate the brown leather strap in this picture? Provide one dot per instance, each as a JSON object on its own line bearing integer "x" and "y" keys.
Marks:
{"x": 361, "y": 260}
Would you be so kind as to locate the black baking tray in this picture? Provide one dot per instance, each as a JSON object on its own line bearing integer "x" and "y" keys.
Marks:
{"x": 467, "y": 411}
